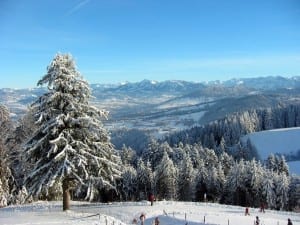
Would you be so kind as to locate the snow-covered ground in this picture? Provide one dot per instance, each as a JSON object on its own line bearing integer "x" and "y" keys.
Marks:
{"x": 277, "y": 141}
{"x": 294, "y": 167}
{"x": 168, "y": 212}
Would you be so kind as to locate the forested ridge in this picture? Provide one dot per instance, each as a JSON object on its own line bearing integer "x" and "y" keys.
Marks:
{"x": 60, "y": 145}
{"x": 225, "y": 134}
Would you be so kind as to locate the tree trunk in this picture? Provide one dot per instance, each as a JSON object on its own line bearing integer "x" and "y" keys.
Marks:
{"x": 66, "y": 194}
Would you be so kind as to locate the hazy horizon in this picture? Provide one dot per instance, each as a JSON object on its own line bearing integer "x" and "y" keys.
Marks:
{"x": 159, "y": 81}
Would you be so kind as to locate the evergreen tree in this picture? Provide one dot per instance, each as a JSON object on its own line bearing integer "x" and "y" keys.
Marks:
{"x": 195, "y": 155}
{"x": 283, "y": 166}
{"x": 129, "y": 183}
{"x": 177, "y": 154}
{"x": 152, "y": 153}
{"x": 227, "y": 162}
{"x": 271, "y": 163}
{"x": 235, "y": 192}
{"x": 6, "y": 177}
{"x": 200, "y": 181}
{"x": 254, "y": 176}
{"x": 166, "y": 178}
{"x": 128, "y": 155}
{"x": 24, "y": 129}
{"x": 294, "y": 193}
{"x": 222, "y": 147}
{"x": 145, "y": 179}
{"x": 210, "y": 158}
{"x": 186, "y": 180}
{"x": 282, "y": 183}
{"x": 215, "y": 183}
{"x": 268, "y": 189}
{"x": 70, "y": 144}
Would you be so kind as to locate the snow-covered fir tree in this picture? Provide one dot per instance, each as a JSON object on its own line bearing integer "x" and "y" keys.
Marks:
{"x": 200, "y": 181}
{"x": 6, "y": 178}
{"x": 5, "y": 175}
{"x": 186, "y": 180}
{"x": 128, "y": 155}
{"x": 271, "y": 163}
{"x": 294, "y": 192}
{"x": 226, "y": 161}
{"x": 215, "y": 182}
{"x": 268, "y": 189}
{"x": 166, "y": 178}
{"x": 70, "y": 145}
{"x": 282, "y": 182}
{"x": 253, "y": 182}
{"x": 234, "y": 186}
{"x": 25, "y": 127}
{"x": 145, "y": 179}
{"x": 129, "y": 185}
{"x": 153, "y": 153}
{"x": 283, "y": 166}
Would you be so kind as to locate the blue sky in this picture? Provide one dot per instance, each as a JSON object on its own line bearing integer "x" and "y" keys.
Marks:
{"x": 130, "y": 40}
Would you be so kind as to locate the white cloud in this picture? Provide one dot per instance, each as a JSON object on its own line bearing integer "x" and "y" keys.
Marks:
{"x": 77, "y": 7}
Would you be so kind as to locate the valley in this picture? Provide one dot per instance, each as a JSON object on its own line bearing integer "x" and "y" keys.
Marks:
{"x": 160, "y": 108}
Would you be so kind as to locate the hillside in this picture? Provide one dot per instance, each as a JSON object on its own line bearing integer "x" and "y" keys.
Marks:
{"x": 278, "y": 141}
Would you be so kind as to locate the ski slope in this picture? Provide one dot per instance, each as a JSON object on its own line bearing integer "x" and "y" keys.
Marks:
{"x": 282, "y": 141}
{"x": 124, "y": 213}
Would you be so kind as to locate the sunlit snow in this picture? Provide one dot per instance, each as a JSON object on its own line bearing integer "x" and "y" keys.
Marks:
{"x": 284, "y": 141}
{"x": 168, "y": 212}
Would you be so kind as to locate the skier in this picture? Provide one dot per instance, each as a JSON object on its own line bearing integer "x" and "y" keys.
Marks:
{"x": 156, "y": 221}
{"x": 256, "y": 221}
{"x": 262, "y": 207}
{"x": 289, "y": 222}
{"x": 142, "y": 218}
{"x": 247, "y": 211}
{"x": 151, "y": 198}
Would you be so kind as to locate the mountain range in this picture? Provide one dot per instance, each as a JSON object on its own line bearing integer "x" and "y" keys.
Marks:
{"x": 163, "y": 107}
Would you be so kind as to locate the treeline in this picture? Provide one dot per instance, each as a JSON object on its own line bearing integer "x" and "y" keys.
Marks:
{"x": 192, "y": 172}
{"x": 224, "y": 134}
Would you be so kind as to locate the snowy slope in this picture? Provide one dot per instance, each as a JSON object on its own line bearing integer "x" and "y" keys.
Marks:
{"x": 283, "y": 141}
{"x": 294, "y": 167}
{"x": 169, "y": 213}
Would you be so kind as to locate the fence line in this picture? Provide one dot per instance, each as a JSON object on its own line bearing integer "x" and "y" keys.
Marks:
{"x": 185, "y": 216}
{"x": 105, "y": 220}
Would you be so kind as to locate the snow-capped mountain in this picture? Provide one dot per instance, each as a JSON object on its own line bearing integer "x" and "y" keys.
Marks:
{"x": 266, "y": 83}
{"x": 154, "y": 87}
{"x": 171, "y": 105}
